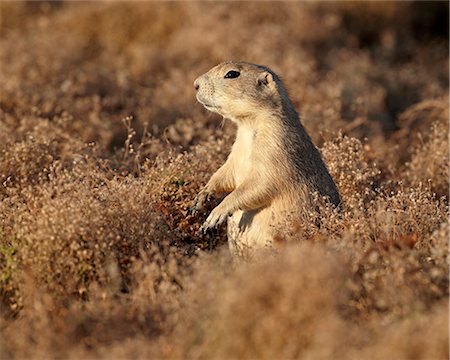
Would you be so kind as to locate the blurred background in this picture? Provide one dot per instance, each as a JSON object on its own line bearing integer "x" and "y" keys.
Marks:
{"x": 353, "y": 67}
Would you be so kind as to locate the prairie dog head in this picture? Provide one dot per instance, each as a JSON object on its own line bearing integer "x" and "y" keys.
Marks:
{"x": 239, "y": 90}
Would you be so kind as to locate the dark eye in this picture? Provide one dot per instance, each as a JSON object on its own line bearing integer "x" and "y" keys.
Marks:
{"x": 232, "y": 74}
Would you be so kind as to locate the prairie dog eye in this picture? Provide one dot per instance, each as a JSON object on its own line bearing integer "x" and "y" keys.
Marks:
{"x": 232, "y": 74}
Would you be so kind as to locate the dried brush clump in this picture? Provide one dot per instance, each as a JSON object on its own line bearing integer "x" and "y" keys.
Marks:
{"x": 430, "y": 162}
{"x": 349, "y": 163}
{"x": 71, "y": 328}
{"x": 260, "y": 312}
{"x": 30, "y": 152}
{"x": 381, "y": 228}
{"x": 84, "y": 218}
{"x": 417, "y": 336}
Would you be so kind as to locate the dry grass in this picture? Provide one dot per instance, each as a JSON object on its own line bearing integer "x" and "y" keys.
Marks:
{"x": 98, "y": 256}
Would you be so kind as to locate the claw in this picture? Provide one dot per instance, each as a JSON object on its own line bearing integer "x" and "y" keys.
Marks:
{"x": 204, "y": 228}
{"x": 192, "y": 210}
{"x": 214, "y": 220}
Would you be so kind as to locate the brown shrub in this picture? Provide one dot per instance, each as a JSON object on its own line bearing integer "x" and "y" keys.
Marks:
{"x": 429, "y": 162}
{"x": 354, "y": 172}
{"x": 423, "y": 337}
{"x": 82, "y": 218}
{"x": 262, "y": 311}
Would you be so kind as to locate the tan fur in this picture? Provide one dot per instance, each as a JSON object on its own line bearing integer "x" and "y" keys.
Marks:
{"x": 273, "y": 167}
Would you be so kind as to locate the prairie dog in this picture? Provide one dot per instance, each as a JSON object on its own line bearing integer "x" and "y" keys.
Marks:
{"x": 273, "y": 168}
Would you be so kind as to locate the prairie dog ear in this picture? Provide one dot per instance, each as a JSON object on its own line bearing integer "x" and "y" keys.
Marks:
{"x": 266, "y": 79}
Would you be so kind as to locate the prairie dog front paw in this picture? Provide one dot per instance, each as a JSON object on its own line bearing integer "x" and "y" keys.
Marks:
{"x": 216, "y": 218}
{"x": 199, "y": 201}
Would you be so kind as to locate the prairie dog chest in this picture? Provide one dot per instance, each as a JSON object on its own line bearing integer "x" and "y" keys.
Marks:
{"x": 241, "y": 153}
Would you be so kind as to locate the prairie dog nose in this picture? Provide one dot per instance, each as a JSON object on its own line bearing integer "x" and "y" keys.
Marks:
{"x": 197, "y": 84}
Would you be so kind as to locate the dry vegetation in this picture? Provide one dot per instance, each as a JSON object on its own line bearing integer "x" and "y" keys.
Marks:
{"x": 103, "y": 147}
